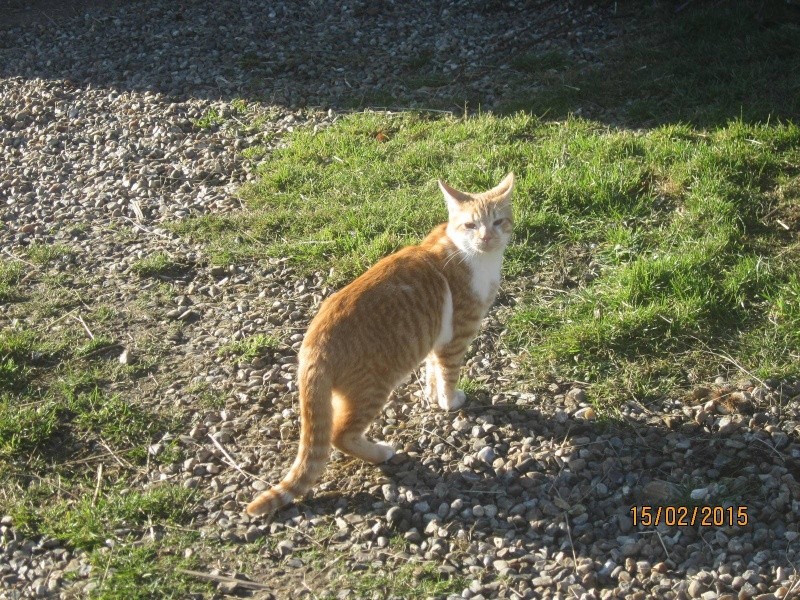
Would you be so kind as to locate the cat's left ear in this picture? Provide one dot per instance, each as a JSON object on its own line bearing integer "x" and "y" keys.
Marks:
{"x": 453, "y": 197}
{"x": 501, "y": 193}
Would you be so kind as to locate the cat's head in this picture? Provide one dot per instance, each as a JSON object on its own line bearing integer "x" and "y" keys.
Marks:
{"x": 480, "y": 223}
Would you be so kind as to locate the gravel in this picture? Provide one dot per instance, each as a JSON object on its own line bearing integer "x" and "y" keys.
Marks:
{"x": 117, "y": 119}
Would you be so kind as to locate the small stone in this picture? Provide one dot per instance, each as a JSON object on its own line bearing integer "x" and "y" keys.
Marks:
{"x": 576, "y": 465}
{"x": 285, "y": 548}
{"x": 252, "y": 534}
{"x": 413, "y": 536}
{"x": 227, "y": 587}
{"x": 486, "y": 454}
{"x": 394, "y": 516}
{"x": 727, "y": 425}
{"x": 695, "y": 589}
{"x": 576, "y": 395}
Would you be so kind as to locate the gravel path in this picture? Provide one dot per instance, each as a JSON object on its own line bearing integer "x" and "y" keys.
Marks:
{"x": 523, "y": 494}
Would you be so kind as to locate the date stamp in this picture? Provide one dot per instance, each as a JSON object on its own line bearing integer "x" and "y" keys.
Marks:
{"x": 689, "y": 516}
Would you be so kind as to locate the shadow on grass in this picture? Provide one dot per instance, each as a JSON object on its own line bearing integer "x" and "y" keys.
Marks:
{"x": 705, "y": 64}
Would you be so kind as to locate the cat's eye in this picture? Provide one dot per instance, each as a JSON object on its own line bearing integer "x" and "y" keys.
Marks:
{"x": 469, "y": 225}
{"x": 498, "y": 222}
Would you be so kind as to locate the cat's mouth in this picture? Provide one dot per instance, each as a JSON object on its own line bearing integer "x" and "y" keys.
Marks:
{"x": 487, "y": 245}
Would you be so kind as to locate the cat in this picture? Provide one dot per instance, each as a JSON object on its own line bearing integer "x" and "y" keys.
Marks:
{"x": 422, "y": 302}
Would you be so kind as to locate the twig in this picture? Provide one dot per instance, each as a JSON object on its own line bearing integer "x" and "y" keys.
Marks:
{"x": 108, "y": 566}
{"x": 62, "y": 317}
{"x": 660, "y": 539}
{"x": 308, "y": 589}
{"x": 232, "y": 463}
{"x": 245, "y": 583}
{"x": 7, "y": 253}
{"x": 137, "y": 210}
{"x": 771, "y": 448}
{"x": 550, "y": 289}
{"x": 571, "y": 545}
{"x": 145, "y": 229}
{"x": 731, "y": 360}
{"x": 99, "y": 483}
{"x": 82, "y": 322}
{"x": 117, "y": 458}
{"x": 436, "y": 435}
{"x": 305, "y": 535}
{"x": 101, "y": 349}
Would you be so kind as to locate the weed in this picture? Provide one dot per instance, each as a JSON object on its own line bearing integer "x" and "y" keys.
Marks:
{"x": 211, "y": 118}
{"x": 155, "y": 265}
{"x": 411, "y": 580}
{"x": 251, "y": 347}
{"x": 45, "y": 253}
{"x": 10, "y": 274}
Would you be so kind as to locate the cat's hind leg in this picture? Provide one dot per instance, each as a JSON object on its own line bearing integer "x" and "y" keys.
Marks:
{"x": 352, "y": 415}
{"x": 431, "y": 378}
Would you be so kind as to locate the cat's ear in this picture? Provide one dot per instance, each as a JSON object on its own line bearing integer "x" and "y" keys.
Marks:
{"x": 501, "y": 193}
{"x": 453, "y": 197}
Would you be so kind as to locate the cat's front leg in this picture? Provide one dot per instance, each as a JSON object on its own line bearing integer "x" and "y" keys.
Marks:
{"x": 448, "y": 368}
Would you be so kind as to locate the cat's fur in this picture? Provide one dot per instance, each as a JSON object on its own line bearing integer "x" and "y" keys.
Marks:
{"x": 423, "y": 302}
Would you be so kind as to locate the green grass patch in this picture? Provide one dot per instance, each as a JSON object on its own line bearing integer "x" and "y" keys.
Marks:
{"x": 43, "y": 254}
{"x": 658, "y": 239}
{"x": 210, "y": 118}
{"x": 250, "y": 347}
{"x": 146, "y": 571}
{"x": 410, "y": 580}
{"x": 56, "y": 422}
{"x": 105, "y": 522}
{"x": 158, "y": 264}
{"x": 10, "y": 274}
{"x": 86, "y": 521}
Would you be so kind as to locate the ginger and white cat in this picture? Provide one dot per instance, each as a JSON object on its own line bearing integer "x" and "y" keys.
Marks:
{"x": 423, "y": 302}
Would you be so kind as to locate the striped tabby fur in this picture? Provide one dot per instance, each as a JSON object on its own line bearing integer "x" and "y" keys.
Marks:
{"x": 424, "y": 302}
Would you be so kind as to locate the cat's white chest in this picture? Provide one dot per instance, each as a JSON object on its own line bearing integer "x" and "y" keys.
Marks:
{"x": 486, "y": 275}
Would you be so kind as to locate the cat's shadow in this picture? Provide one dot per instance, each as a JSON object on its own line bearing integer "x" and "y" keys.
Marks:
{"x": 626, "y": 463}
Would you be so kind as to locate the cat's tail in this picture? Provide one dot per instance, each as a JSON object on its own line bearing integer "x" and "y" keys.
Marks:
{"x": 316, "y": 423}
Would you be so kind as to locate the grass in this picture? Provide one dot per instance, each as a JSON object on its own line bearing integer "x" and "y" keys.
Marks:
{"x": 158, "y": 264}
{"x": 45, "y": 253}
{"x": 250, "y": 347}
{"x": 410, "y": 580}
{"x": 210, "y": 118}
{"x": 10, "y": 274}
{"x": 110, "y": 526}
{"x": 59, "y": 417}
{"x": 659, "y": 239}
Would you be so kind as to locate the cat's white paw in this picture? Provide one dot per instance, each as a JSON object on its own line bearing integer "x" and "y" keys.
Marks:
{"x": 456, "y": 400}
{"x": 384, "y": 452}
